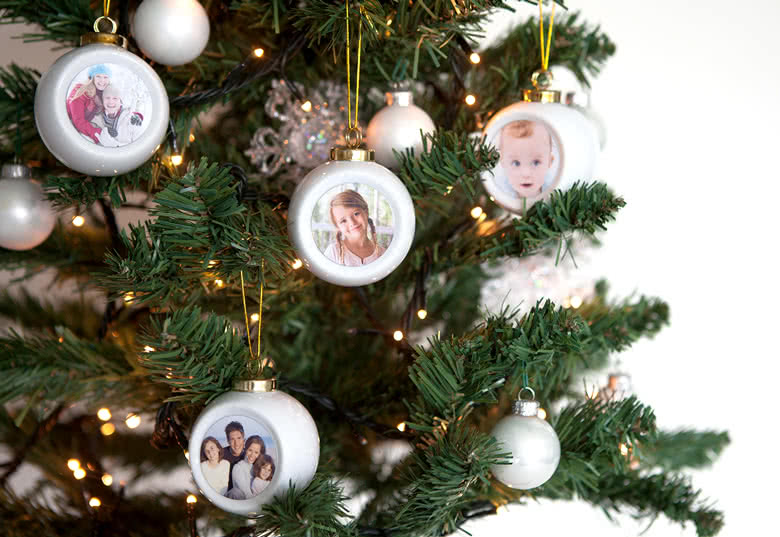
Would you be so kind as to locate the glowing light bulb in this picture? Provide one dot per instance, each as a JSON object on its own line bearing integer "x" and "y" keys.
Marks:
{"x": 176, "y": 159}
{"x": 219, "y": 283}
{"x": 192, "y": 137}
{"x": 107, "y": 429}
{"x": 475, "y": 59}
{"x": 254, "y": 317}
{"x": 297, "y": 264}
{"x": 306, "y": 107}
{"x": 541, "y": 414}
{"x": 576, "y": 302}
{"x": 398, "y": 335}
{"x": 623, "y": 449}
{"x": 147, "y": 348}
{"x": 470, "y": 100}
{"x": 259, "y": 52}
{"x": 129, "y": 297}
{"x": 79, "y": 473}
{"x": 401, "y": 426}
{"x": 422, "y": 314}
{"x": 192, "y": 499}
{"x": 104, "y": 414}
{"x": 94, "y": 502}
{"x": 78, "y": 220}
{"x": 476, "y": 212}
{"x": 74, "y": 464}
{"x": 107, "y": 479}
{"x": 133, "y": 421}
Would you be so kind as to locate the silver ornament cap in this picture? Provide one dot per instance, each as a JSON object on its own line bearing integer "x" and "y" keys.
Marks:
{"x": 26, "y": 216}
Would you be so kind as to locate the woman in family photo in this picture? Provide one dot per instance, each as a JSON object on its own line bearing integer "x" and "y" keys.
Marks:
{"x": 356, "y": 241}
{"x": 242, "y": 473}
{"x": 86, "y": 101}
{"x": 215, "y": 468}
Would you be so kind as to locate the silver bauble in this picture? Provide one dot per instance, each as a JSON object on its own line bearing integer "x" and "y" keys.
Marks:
{"x": 618, "y": 387}
{"x": 534, "y": 446}
{"x": 398, "y": 127}
{"x": 171, "y": 32}
{"x": 26, "y": 216}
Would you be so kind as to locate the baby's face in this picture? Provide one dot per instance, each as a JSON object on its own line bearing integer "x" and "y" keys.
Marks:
{"x": 526, "y": 160}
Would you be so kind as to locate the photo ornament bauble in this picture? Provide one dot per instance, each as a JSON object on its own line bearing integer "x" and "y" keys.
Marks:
{"x": 351, "y": 221}
{"x": 100, "y": 109}
{"x": 542, "y": 147}
{"x": 250, "y": 444}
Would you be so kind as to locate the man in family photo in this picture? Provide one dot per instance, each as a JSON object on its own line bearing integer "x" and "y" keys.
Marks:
{"x": 234, "y": 451}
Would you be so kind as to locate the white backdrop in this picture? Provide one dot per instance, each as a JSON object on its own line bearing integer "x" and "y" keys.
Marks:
{"x": 690, "y": 103}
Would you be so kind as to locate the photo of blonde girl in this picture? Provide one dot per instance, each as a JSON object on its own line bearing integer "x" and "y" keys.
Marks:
{"x": 353, "y": 225}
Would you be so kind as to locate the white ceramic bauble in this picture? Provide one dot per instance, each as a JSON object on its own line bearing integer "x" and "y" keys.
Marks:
{"x": 534, "y": 446}
{"x": 309, "y": 223}
{"x": 26, "y": 216}
{"x": 573, "y": 143}
{"x": 287, "y": 429}
{"x": 398, "y": 127}
{"x": 141, "y": 124}
{"x": 171, "y": 32}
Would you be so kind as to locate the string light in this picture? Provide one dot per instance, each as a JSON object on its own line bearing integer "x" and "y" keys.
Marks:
{"x": 192, "y": 137}
{"x": 104, "y": 414}
{"x": 78, "y": 220}
{"x": 219, "y": 283}
{"x": 306, "y": 107}
{"x": 176, "y": 159}
{"x": 470, "y": 99}
{"x": 576, "y": 301}
{"x": 254, "y": 317}
{"x": 476, "y": 212}
{"x": 133, "y": 421}
{"x": 74, "y": 464}
{"x": 192, "y": 499}
{"x": 474, "y": 58}
{"x": 398, "y": 335}
{"x": 94, "y": 502}
{"x": 107, "y": 429}
{"x": 422, "y": 314}
{"x": 623, "y": 449}
{"x": 297, "y": 264}
{"x": 259, "y": 52}
{"x": 79, "y": 473}
{"x": 147, "y": 348}
{"x": 60, "y": 339}
{"x": 107, "y": 479}
{"x": 129, "y": 297}
{"x": 401, "y": 426}
{"x": 541, "y": 413}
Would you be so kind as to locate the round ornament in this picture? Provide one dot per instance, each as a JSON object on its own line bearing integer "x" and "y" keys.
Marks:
{"x": 543, "y": 146}
{"x": 618, "y": 387}
{"x": 171, "y": 32}
{"x": 26, "y": 216}
{"x": 351, "y": 220}
{"x": 398, "y": 127}
{"x": 100, "y": 109}
{"x": 534, "y": 446}
{"x": 250, "y": 444}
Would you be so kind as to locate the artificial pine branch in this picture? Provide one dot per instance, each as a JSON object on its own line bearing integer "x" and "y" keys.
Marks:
{"x": 63, "y": 21}
{"x": 673, "y": 451}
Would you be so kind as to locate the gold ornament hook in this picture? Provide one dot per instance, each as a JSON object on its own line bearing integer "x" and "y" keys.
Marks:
{"x": 114, "y": 24}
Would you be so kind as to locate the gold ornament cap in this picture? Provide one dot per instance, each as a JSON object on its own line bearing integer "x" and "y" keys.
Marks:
{"x": 107, "y": 38}
{"x": 542, "y": 80}
{"x": 355, "y": 149}
{"x": 255, "y": 385}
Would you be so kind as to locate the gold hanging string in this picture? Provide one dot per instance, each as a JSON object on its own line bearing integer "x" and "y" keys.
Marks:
{"x": 246, "y": 318}
{"x": 546, "y": 50}
{"x": 106, "y": 7}
{"x": 260, "y": 313}
{"x": 350, "y": 123}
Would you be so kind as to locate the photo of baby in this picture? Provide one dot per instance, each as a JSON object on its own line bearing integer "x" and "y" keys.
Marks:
{"x": 106, "y": 104}
{"x": 237, "y": 457}
{"x": 529, "y": 159}
{"x": 352, "y": 224}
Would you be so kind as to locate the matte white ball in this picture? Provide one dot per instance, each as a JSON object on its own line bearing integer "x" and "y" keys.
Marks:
{"x": 535, "y": 450}
{"x": 26, "y": 216}
{"x": 280, "y": 418}
{"x": 93, "y": 150}
{"x": 397, "y": 127}
{"x": 171, "y": 32}
{"x": 312, "y": 197}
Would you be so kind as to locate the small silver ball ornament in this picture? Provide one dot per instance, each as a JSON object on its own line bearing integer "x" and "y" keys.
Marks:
{"x": 534, "y": 446}
{"x": 26, "y": 216}
{"x": 397, "y": 126}
{"x": 171, "y": 32}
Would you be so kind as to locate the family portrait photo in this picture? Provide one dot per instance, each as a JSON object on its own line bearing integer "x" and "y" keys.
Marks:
{"x": 352, "y": 224}
{"x": 238, "y": 457}
{"x": 108, "y": 105}
{"x": 529, "y": 157}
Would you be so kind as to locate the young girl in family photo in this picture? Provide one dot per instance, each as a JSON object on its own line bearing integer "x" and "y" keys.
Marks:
{"x": 215, "y": 468}
{"x": 356, "y": 238}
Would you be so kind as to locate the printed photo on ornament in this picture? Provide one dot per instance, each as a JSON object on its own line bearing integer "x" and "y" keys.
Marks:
{"x": 238, "y": 457}
{"x": 352, "y": 224}
{"x": 109, "y": 105}
{"x": 528, "y": 166}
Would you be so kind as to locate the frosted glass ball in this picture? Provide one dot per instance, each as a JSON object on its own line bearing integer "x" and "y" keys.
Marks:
{"x": 535, "y": 450}
{"x": 26, "y": 216}
{"x": 398, "y": 127}
{"x": 171, "y": 32}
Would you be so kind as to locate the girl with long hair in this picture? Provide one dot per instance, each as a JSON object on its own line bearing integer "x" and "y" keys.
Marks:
{"x": 86, "y": 101}
{"x": 215, "y": 468}
{"x": 356, "y": 243}
{"x": 242, "y": 471}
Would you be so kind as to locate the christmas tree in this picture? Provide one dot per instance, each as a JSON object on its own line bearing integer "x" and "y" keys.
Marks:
{"x": 405, "y": 377}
